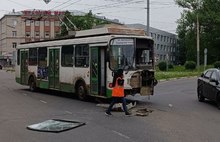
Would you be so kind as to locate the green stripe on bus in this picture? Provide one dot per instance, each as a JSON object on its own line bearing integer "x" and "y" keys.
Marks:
{"x": 44, "y": 84}
{"x": 66, "y": 87}
{"x": 108, "y": 93}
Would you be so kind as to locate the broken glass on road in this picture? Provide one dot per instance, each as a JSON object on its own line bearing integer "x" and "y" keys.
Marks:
{"x": 55, "y": 125}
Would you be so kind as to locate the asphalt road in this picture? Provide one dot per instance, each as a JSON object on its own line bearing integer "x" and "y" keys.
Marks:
{"x": 177, "y": 116}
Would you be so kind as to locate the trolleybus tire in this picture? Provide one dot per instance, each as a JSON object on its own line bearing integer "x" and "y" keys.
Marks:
{"x": 81, "y": 91}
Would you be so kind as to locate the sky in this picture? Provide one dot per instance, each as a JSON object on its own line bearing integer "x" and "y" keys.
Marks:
{"x": 163, "y": 13}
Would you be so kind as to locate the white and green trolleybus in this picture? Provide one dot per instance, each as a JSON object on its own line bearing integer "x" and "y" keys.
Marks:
{"x": 84, "y": 64}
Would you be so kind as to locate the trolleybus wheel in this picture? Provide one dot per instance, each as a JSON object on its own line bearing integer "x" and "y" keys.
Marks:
{"x": 81, "y": 91}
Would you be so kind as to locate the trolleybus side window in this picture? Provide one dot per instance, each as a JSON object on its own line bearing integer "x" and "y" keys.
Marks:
{"x": 82, "y": 55}
{"x": 67, "y": 56}
{"x": 42, "y": 70}
{"x": 42, "y": 56}
{"x": 32, "y": 56}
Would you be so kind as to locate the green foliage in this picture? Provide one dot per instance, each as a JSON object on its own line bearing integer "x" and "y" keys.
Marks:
{"x": 162, "y": 66}
{"x": 80, "y": 22}
{"x": 208, "y": 12}
{"x": 190, "y": 65}
{"x": 170, "y": 66}
{"x": 217, "y": 64}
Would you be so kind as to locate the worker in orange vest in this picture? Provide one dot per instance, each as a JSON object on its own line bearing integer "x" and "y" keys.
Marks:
{"x": 118, "y": 92}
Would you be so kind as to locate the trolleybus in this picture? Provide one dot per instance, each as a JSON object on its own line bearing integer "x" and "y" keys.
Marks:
{"x": 84, "y": 64}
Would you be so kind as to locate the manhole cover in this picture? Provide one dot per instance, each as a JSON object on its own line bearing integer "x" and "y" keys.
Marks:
{"x": 55, "y": 125}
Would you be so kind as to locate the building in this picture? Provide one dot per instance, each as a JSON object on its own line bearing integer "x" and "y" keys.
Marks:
{"x": 26, "y": 26}
{"x": 165, "y": 44}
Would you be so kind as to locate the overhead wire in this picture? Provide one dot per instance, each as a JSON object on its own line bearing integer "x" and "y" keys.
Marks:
{"x": 19, "y": 4}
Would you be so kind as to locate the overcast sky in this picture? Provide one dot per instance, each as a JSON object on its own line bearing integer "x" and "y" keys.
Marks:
{"x": 163, "y": 13}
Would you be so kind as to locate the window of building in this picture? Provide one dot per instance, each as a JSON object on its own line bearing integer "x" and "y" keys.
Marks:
{"x": 47, "y": 23}
{"x": 82, "y": 56}
{"x": 168, "y": 39}
{"x": 14, "y": 44}
{"x": 158, "y": 37}
{"x": 37, "y": 34}
{"x": 164, "y": 47}
{"x": 57, "y": 33}
{"x": 37, "y": 23}
{"x": 28, "y": 34}
{"x": 67, "y": 56}
{"x": 47, "y": 34}
{"x": 161, "y": 47}
{"x": 32, "y": 56}
{"x": 158, "y": 46}
{"x": 57, "y": 23}
{"x": 14, "y": 22}
{"x": 161, "y": 38}
{"x": 28, "y": 22}
{"x": 165, "y": 38}
{"x": 14, "y": 33}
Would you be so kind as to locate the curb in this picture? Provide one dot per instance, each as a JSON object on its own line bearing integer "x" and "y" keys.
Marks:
{"x": 170, "y": 79}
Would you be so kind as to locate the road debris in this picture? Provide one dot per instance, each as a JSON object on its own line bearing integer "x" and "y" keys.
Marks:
{"x": 143, "y": 112}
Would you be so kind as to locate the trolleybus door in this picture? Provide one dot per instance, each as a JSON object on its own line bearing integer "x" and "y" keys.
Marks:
{"x": 97, "y": 71}
{"x": 54, "y": 60}
{"x": 24, "y": 67}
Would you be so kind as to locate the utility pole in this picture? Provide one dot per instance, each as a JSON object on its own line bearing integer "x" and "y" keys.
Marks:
{"x": 197, "y": 26}
{"x": 148, "y": 17}
{"x": 197, "y": 17}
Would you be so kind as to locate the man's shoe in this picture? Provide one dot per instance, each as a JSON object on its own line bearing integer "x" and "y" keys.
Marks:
{"x": 128, "y": 114}
{"x": 108, "y": 113}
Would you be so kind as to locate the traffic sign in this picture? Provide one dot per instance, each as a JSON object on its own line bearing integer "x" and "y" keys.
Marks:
{"x": 205, "y": 50}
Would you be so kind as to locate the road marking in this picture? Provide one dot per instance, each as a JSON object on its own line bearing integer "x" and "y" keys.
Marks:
{"x": 25, "y": 94}
{"x": 43, "y": 101}
{"x": 68, "y": 112}
{"x": 120, "y": 134}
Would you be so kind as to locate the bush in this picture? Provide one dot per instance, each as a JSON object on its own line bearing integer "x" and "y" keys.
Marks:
{"x": 162, "y": 66}
{"x": 170, "y": 66}
{"x": 217, "y": 64}
{"x": 190, "y": 65}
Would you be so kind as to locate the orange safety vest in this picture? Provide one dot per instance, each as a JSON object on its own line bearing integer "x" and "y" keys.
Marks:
{"x": 118, "y": 91}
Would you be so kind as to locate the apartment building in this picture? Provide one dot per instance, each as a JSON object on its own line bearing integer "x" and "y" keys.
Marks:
{"x": 26, "y": 26}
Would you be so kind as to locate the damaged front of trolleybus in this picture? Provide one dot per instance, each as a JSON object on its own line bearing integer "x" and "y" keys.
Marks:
{"x": 136, "y": 57}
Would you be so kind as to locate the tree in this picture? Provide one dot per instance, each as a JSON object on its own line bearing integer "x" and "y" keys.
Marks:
{"x": 209, "y": 17}
{"x": 80, "y": 22}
